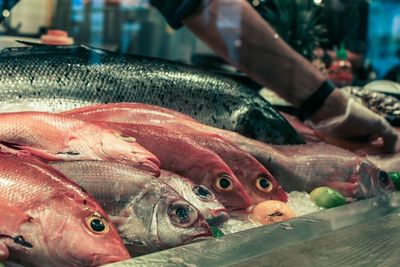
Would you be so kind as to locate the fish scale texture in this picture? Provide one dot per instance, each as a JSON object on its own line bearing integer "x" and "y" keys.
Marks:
{"x": 55, "y": 78}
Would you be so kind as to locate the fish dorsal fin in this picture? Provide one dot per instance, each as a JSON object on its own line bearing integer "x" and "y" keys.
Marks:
{"x": 38, "y": 48}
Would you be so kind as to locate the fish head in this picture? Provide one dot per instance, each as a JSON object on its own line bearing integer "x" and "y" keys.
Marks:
{"x": 159, "y": 218}
{"x": 79, "y": 233}
{"x": 259, "y": 182}
{"x": 372, "y": 180}
{"x": 181, "y": 223}
{"x": 201, "y": 198}
{"x": 228, "y": 190}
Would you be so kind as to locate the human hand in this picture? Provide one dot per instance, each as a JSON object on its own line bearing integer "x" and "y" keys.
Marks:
{"x": 358, "y": 121}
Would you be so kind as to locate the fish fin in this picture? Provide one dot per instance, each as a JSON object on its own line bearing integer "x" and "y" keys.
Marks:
{"x": 39, "y": 153}
{"x": 35, "y": 44}
{"x": 3, "y": 251}
{"x": 118, "y": 220}
{"x": 38, "y": 48}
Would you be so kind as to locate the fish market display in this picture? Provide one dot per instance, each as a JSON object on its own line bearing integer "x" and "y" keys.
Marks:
{"x": 199, "y": 196}
{"x": 257, "y": 181}
{"x": 150, "y": 214}
{"x": 60, "y": 78}
{"x": 299, "y": 168}
{"x": 54, "y": 137}
{"x": 182, "y": 155}
{"x": 49, "y": 221}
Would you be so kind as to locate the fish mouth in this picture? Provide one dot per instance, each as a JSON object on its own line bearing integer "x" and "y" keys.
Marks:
{"x": 217, "y": 217}
{"x": 151, "y": 165}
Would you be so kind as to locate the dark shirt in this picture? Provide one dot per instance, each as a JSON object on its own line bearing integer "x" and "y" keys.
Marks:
{"x": 174, "y": 11}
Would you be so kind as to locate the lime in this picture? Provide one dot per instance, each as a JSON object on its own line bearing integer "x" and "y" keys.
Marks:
{"x": 395, "y": 176}
{"x": 327, "y": 198}
{"x": 216, "y": 232}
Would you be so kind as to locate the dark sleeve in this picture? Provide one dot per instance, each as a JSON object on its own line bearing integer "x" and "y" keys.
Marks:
{"x": 174, "y": 11}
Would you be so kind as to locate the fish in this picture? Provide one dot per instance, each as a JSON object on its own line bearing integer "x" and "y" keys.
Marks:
{"x": 56, "y": 78}
{"x": 298, "y": 167}
{"x": 305, "y": 167}
{"x": 150, "y": 215}
{"x": 51, "y": 221}
{"x": 199, "y": 196}
{"x": 55, "y": 137}
{"x": 258, "y": 182}
{"x": 181, "y": 155}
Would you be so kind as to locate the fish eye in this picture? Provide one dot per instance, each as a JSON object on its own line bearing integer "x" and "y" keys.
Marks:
{"x": 203, "y": 192}
{"x": 263, "y": 184}
{"x": 383, "y": 178}
{"x": 97, "y": 224}
{"x": 224, "y": 183}
{"x": 182, "y": 214}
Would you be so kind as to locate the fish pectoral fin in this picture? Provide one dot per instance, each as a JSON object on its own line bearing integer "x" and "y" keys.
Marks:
{"x": 42, "y": 153}
{"x": 3, "y": 251}
{"x": 118, "y": 220}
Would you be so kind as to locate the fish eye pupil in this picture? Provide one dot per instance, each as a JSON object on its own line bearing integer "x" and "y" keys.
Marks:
{"x": 201, "y": 191}
{"x": 224, "y": 183}
{"x": 264, "y": 183}
{"x": 383, "y": 178}
{"x": 97, "y": 225}
{"x": 182, "y": 213}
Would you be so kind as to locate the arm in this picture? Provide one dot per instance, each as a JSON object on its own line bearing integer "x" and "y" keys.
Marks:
{"x": 237, "y": 33}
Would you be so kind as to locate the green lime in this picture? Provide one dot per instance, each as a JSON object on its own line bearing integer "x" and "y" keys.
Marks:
{"x": 327, "y": 198}
{"x": 395, "y": 176}
{"x": 216, "y": 232}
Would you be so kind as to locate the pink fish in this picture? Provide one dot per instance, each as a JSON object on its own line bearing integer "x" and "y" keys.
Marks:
{"x": 51, "y": 221}
{"x": 295, "y": 167}
{"x": 54, "y": 137}
{"x": 256, "y": 179}
{"x": 258, "y": 182}
{"x": 180, "y": 154}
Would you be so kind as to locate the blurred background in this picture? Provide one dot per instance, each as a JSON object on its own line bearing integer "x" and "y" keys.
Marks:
{"x": 369, "y": 29}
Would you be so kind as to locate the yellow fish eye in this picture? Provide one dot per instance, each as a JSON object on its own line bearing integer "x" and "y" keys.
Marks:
{"x": 224, "y": 183}
{"x": 263, "y": 184}
{"x": 97, "y": 224}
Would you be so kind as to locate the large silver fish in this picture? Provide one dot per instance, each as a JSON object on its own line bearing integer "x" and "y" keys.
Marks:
{"x": 150, "y": 215}
{"x": 60, "y": 78}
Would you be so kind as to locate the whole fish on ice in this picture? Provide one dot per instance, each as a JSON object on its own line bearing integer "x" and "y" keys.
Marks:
{"x": 199, "y": 196}
{"x": 54, "y": 137}
{"x": 256, "y": 179}
{"x": 49, "y": 221}
{"x": 180, "y": 154}
{"x": 59, "y": 78}
{"x": 301, "y": 167}
{"x": 150, "y": 215}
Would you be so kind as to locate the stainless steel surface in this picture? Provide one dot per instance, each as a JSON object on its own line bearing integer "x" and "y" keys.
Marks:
{"x": 365, "y": 233}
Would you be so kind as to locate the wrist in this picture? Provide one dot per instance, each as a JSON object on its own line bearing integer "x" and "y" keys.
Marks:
{"x": 335, "y": 105}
